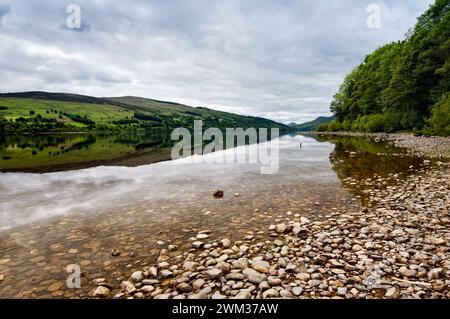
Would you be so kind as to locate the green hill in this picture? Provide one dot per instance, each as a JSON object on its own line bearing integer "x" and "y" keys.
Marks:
{"x": 312, "y": 125}
{"x": 31, "y": 112}
{"x": 402, "y": 86}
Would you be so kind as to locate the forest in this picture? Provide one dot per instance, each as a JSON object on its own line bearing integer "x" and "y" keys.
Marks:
{"x": 402, "y": 86}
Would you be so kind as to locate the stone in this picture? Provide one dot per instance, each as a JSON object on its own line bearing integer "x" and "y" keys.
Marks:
{"x": 127, "y": 287}
{"x": 2, "y": 277}
{"x": 392, "y": 293}
{"x": 137, "y": 276}
{"x": 236, "y": 276}
{"x": 213, "y": 273}
{"x": 199, "y": 283}
{"x": 297, "y": 291}
{"x": 243, "y": 294}
{"x": 202, "y": 236}
{"x": 274, "y": 281}
{"x": 218, "y": 194}
{"x": 197, "y": 244}
{"x": 172, "y": 247}
{"x": 225, "y": 243}
{"x": 101, "y": 291}
{"x": 304, "y": 221}
{"x": 115, "y": 252}
{"x": 270, "y": 293}
{"x": 153, "y": 271}
{"x": 261, "y": 266}
{"x": 218, "y": 295}
{"x": 147, "y": 289}
{"x": 253, "y": 276}
{"x": 435, "y": 273}
{"x": 165, "y": 273}
{"x": 342, "y": 291}
{"x": 184, "y": 287}
{"x": 190, "y": 265}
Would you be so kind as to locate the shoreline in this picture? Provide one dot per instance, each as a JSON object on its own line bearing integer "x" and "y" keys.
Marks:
{"x": 396, "y": 247}
{"x": 429, "y": 146}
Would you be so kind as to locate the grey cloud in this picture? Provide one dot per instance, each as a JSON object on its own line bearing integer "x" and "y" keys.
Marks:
{"x": 278, "y": 59}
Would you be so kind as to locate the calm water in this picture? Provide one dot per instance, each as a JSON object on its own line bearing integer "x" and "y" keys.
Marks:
{"x": 51, "y": 220}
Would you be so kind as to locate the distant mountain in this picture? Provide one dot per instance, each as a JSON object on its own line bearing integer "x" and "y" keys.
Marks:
{"x": 28, "y": 112}
{"x": 312, "y": 125}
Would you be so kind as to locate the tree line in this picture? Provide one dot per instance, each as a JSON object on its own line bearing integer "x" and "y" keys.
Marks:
{"x": 402, "y": 86}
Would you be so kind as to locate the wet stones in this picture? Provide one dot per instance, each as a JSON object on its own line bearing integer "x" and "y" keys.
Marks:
{"x": 102, "y": 292}
{"x": 254, "y": 276}
{"x": 392, "y": 293}
{"x": 225, "y": 243}
{"x": 213, "y": 273}
{"x": 115, "y": 252}
{"x": 218, "y": 193}
{"x": 137, "y": 276}
{"x": 127, "y": 287}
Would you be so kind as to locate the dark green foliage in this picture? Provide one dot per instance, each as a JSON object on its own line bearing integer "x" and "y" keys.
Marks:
{"x": 396, "y": 86}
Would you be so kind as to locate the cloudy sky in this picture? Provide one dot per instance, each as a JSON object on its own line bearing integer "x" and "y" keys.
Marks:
{"x": 280, "y": 59}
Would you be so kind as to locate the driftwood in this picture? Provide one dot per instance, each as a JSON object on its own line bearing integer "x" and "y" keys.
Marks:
{"x": 418, "y": 283}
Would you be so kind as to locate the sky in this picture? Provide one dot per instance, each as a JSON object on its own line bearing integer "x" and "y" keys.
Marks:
{"x": 279, "y": 59}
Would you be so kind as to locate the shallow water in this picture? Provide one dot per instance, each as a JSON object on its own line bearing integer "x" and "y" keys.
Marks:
{"x": 49, "y": 221}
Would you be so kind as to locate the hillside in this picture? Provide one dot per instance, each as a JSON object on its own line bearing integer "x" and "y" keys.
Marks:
{"x": 28, "y": 112}
{"x": 312, "y": 125}
{"x": 402, "y": 86}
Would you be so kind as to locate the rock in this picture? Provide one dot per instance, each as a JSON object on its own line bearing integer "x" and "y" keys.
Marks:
{"x": 357, "y": 248}
{"x": 163, "y": 296}
{"x": 261, "y": 266}
{"x": 213, "y": 273}
{"x": 304, "y": 221}
{"x": 138, "y": 295}
{"x": 236, "y": 276}
{"x": 101, "y": 291}
{"x": 218, "y": 295}
{"x": 202, "y": 236}
{"x": 342, "y": 291}
{"x": 225, "y": 243}
{"x": 392, "y": 293}
{"x": 270, "y": 293}
{"x": 147, "y": 289}
{"x": 436, "y": 240}
{"x": 115, "y": 252}
{"x": 253, "y": 276}
{"x": 303, "y": 276}
{"x": 297, "y": 291}
{"x": 274, "y": 281}
{"x": 2, "y": 277}
{"x": 218, "y": 194}
{"x": 190, "y": 265}
{"x": 184, "y": 287}
{"x": 435, "y": 273}
{"x": 314, "y": 282}
{"x": 127, "y": 287}
{"x": 199, "y": 283}
{"x": 405, "y": 272}
{"x": 236, "y": 194}
{"x": 160, "y": 243}
{"x": 165, "y": 273}
{"x": 153, "y": 271}
{"x": 281, "y": 228}
{"x": 172, "y": 247}
{"x": 137, "y": 276}
{"x": 198, "y": 244}
{"x": 285, "y": 294}
{"x": 243, "y": 294}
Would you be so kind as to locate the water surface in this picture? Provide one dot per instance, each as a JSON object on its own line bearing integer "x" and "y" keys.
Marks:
{"x": 51, "y": 220}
